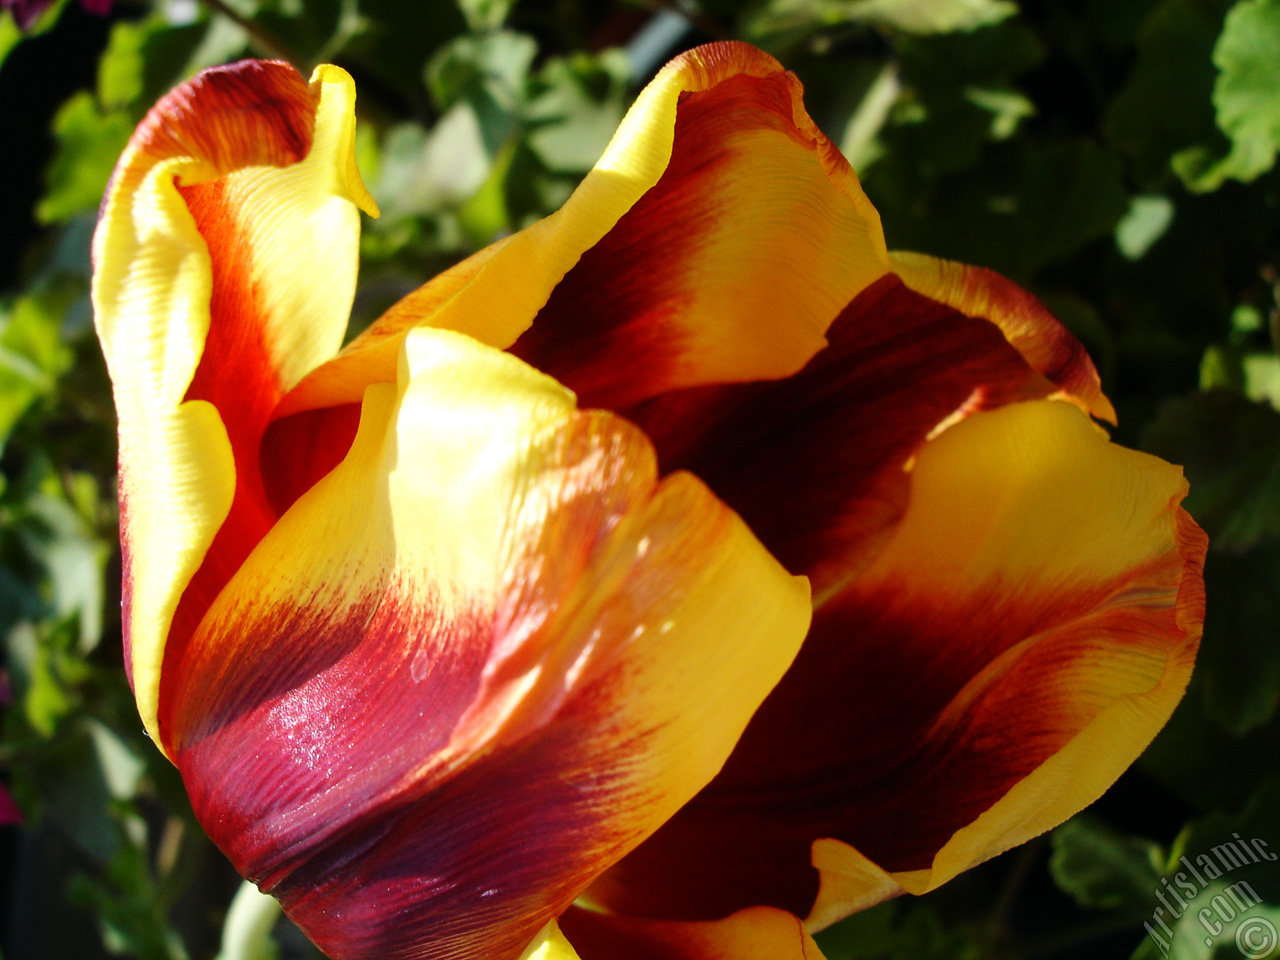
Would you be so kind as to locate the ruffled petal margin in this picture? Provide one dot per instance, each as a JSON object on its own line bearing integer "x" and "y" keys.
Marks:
{"x": 513, "y": 653}
{"x": 198, "y": 272}
{"x": 816, "y": 463}
{"x": 1008, "y": 606}
{"x": 1046, "y": 344}
{"x": 715, "y": 241}
{"x": 1026, "y": 630}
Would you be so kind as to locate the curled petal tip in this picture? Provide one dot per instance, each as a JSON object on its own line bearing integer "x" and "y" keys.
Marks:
{"x": 437, "y": 651}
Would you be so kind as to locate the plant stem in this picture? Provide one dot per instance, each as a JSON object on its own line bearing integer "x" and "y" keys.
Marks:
{"x": 258, "y": 36}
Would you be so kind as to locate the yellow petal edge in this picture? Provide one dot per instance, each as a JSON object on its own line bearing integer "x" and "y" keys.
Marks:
{"x": 1106, "y": 510}
{"x": 151, "y": 295}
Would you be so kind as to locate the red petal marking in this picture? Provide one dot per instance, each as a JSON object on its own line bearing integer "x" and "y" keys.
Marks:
{"x": 475, "y": 869}
{"x": 247, "y": 114}
{"x": 613, "y": 329}
{"x": 814, "y": 463}
{"x": 754, "y": 934}
{"x": 1049, "y": 347}
{"x": 331, "y": 728}
{"x": 299, "y": 449}
{"x": 869, "y": 738}
{"x": 374, "y": 355}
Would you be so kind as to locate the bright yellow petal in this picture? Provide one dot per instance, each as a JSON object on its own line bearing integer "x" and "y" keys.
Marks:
{"x": 1089, "y": 695}
{"x": 757, "y": 933}
{"x": 1019, "y": 638}
{"x": 205, "y": 260}
{"x": 550, "y": 944}
{"x": 489, "y": 646}
{"x": 716, "y": 240}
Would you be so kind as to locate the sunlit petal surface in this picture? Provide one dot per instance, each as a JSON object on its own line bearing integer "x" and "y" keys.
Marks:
{"x": 206, "y": 315}
{"x": 686, "y": 555}
{"x": 510, "y": 655}
{"x": 1024, "y": 632}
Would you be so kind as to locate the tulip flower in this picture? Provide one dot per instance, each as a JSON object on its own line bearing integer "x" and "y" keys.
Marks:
{"x": 671, "y": 578}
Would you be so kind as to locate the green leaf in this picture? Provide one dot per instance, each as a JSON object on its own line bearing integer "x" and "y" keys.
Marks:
{"x": 1008, "y": 108}
{"x": 1239, "y": 663}
{"x": 89, "y": 142}
{"x": 48, "y": 697}
{"x": 1262, "y": 378}
{"x": 1230, "y": 449}
{"x": 485, "y": 14}
{"x": 860, "y": 143}
{"x": 490, "y": 75}
{"x": 32, "y": 354}
{"x": 1199, "y": 761}
{"x": 932, "y": 16}
{"x": 800, "y": 17}
{"x": 9, "y": 34}
{"x": 1145, "y": 222}
{"x": 121, "y": 767}
{"x": 578, "y": 108}
{"x": 1221, "y": 876}
{"x": 73, "y": 558}
{"x": 129, "y": 905}
{"x": 494, "y": 66}
{"x": 1164, "y": 106}
{"x": 1246, "y": 96}
{"x": 956, "y": 96}
{"x": 422, "y": 172}
{"x": 863, "y": 936}
{"x": 923, "y": 934}
{"x": 120, "y": 70}
{"x": 1102, "y": 868}
{"x": 398, "y": 38}
{"x": 1245, "y": 319}
{"x": 1030, "y": 206}
{"x": 486, "y": 214}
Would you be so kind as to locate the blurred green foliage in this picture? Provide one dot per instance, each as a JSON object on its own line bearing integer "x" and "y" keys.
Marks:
{"x": 1115, "y": 156}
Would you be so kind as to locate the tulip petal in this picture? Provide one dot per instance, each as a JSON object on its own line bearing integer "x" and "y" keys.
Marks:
{"x": 197, "y": 272}
{"x": 815, "y": 463}
{"x": 758, "y": 933}
{"x": 1046, "y": 344}
{"x": 510, "y": 654}
{"x": 714, "y": 241}
{"x": 732, "y": 267}
{"x": 1026, "y": 630}
{"x": 550, "y": 944}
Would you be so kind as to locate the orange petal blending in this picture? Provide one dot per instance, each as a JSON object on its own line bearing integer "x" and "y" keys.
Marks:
{"x": 229, "y": 118}
{"x": 501, "y": 614}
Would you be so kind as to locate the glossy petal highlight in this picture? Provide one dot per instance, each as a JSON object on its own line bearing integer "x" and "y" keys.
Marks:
{"x": 438, "y": 653}
{"x": 511, "y": 655}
